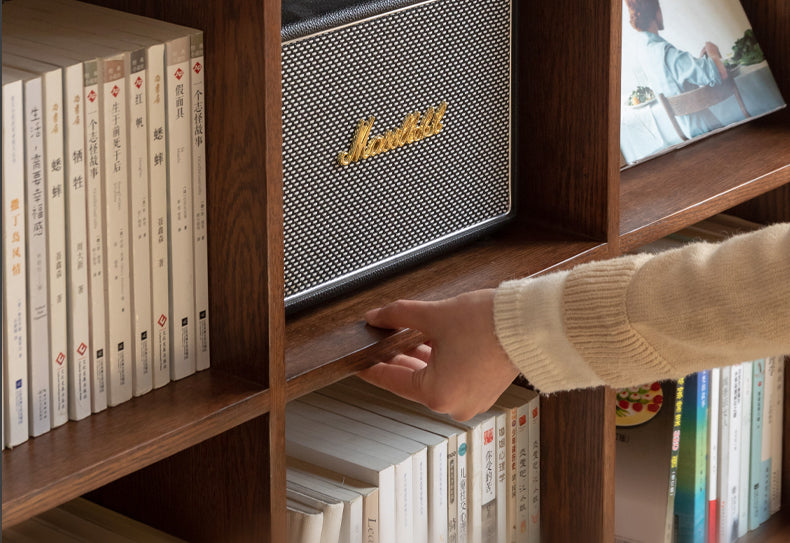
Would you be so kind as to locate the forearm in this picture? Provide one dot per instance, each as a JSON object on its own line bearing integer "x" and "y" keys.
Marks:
{"x": 640, "y": 318}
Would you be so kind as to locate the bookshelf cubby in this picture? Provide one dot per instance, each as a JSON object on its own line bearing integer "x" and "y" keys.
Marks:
{"x": 203, "y": 458}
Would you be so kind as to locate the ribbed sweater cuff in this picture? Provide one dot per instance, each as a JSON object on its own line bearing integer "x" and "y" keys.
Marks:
{"x": 597, "y": 323}
{"x": 528, "y": 320}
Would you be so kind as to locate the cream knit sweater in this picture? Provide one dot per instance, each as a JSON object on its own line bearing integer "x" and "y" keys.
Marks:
{"x": 641, "y": 318}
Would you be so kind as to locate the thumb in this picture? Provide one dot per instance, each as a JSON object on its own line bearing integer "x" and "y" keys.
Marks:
{"x": 402, "y": 314}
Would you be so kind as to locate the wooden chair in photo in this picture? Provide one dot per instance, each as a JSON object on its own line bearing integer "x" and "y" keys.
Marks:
{"x": 699, "y": 99}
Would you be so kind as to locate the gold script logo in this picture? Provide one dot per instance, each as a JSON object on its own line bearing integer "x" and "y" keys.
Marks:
{"x": 416, "y": 126}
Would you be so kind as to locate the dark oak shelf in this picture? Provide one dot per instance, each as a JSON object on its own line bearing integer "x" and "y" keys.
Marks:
{"x": 81, "y": 456}
{"x": 332, "y": 341}
{"x": 707, "y": 177}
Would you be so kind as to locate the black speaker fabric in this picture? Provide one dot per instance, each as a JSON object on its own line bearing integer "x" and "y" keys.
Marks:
{"x": 396, "y": 138}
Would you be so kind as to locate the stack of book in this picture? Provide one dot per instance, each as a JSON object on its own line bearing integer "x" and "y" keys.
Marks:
{"x": 82, "y": 520}
{"x": 366, "y": 465}
{"x": 709, "y": 469}
{"x": 104, "y": 210}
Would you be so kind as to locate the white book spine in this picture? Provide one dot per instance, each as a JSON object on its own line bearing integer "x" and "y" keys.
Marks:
{"x": 713, "y": 444}
{"x": 15, "y": 414}
{"x": 95, "y": 231}
{"x": 79, "y": 375}
{"x": 475, "y": 484}
{"x": 420, "y": 496}
{"x": 139, "y": 223}
{"x": 404, "y": 500}
{"x": 502, "y": 482}
{"x": 112, "y": 81}
{"x": 488, "y": 480}
{"x": 200, "y": 226}
{"x": 524, "y": 469}
{"x": 56, "y": 245}
{"x": 734, "y": 463}
{"x": 512, "y": 472}
{"x": 37, "y": 272}
{"x": 452, "y": 489}
{"x": 746, "y": 446}
{"x": 157, "y": 184}
{"x": 437, "y": 491}
{"x": 777, "y": 437}
{"x": 769, "y": 423}
{"x": 463, "y": 461}
{"x": 725, "y": 519}
{"x": 534, "y": 480}
{"x": 179, "y": 144}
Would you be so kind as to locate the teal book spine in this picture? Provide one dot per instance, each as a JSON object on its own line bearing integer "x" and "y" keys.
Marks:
{"x": 691, "y": 495}
{"x": 756, "y": 482}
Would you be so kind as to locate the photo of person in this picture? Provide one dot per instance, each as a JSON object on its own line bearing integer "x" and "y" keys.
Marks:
{"x": 688, "y": 70}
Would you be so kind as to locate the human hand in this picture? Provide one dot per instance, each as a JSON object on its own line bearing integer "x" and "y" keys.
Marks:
{"x": 711, "y": 49}
{"x": 461, "y": 370}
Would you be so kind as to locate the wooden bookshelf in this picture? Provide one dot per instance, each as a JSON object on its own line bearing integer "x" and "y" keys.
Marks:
{"x": 203, "y": 458}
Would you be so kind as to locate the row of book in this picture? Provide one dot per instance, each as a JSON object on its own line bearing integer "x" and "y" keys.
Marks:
{"x": 366, "y": 465}
{"x": 80, "y": 520}
{"x": 105, "y": 287}
{"x": 700, "y": 460}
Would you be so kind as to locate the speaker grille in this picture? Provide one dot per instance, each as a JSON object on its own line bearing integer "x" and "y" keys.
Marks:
{"x": 343, "y": 221}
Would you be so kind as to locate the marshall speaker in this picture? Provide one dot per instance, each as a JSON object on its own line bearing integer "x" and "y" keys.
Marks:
{"x": 396, "y": 135}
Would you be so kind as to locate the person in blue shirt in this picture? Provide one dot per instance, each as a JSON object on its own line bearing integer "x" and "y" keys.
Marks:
{"x": 672, "y": 71}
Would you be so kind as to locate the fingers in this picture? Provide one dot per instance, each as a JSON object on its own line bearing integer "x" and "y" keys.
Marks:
{"x": 400, "y": 380}
{"x": 402, "y": 314}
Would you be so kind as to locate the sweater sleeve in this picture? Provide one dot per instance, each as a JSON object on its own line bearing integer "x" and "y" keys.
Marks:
{"x": 640, "y": 318}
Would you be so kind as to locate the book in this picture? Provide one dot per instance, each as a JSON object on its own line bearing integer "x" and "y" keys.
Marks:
{"x": 436, "y": 447}
{"x": 152, "y": 34}
{"x": 525, "y": 463}
{"x": 475, "y": 444}
{"x": 722, "y": 489}
{"x": 181, "y": 242}
{"x": 662, "y": 70}
{"x": 303, "y": 523}
{"x": 648, "y": 435}
{"x": 331, "y": 507}
{"x": 776, "y": 414}
{"x": 730, "y": 530}
{"x": 347, "y": 526}
{"x": 690, "y": 497}
{"x": 200, "y": 223}
{"x": 36, "y": 240}
{"x": 358, "y": 458}
{"x": 52, "y": 168}
{"x": 416, "y": 521}
{"x": 759, "y": 471}
{"x": 16, "y": 25}
{"x": 15, "y": 389}
{"x": 401, "y": 520}
{"x": 456, "y": 441}
{"x": 361, "y": 503}
{"x": 714, "y": 393}
{"x": 745, "y": 447}
{"x": 76, "y": 264}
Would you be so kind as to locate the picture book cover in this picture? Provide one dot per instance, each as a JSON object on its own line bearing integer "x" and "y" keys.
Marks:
{"x": 646, "y": 451}
{"x": 689, "y": 70}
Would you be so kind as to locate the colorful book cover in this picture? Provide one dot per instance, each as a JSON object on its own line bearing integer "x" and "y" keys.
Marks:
{"x": 690, "y": 499}
{"x": 648, "y": 437}
{"x": 689, "y": 70}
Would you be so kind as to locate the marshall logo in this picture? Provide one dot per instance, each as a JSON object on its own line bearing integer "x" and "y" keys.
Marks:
{"x": 416, "y": 126}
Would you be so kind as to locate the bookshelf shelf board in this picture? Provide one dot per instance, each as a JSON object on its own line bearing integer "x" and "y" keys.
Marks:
{"x": 81, "y": 456}
{"x": 331, "y": 342}
{"x": 775, "y": 530}
{"x": 707, "y": 177}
